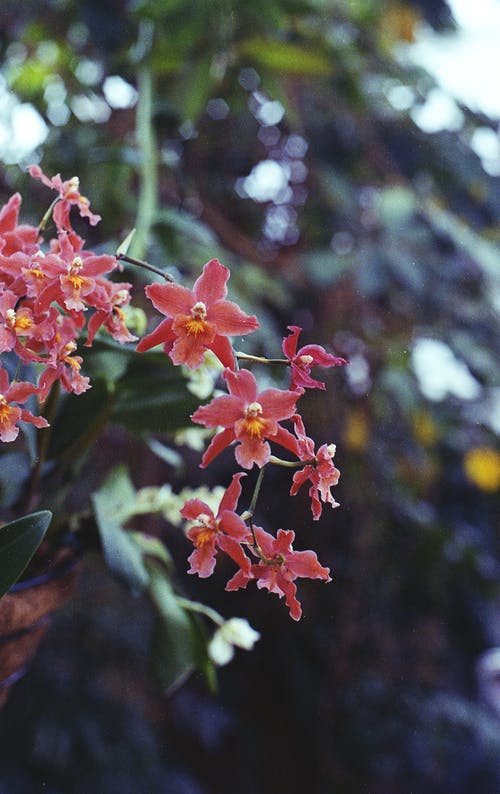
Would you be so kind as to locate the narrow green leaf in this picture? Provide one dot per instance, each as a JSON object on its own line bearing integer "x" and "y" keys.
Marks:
{"x": 18, "y": 542}
{"x": 124, "y": 245}
{"x": 173, "y": 651}
{"x": 287, "y": 58}
{"x": 113, "y": 503}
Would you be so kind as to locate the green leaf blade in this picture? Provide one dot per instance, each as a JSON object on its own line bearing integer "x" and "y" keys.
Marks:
{"x": 19, "y": 541}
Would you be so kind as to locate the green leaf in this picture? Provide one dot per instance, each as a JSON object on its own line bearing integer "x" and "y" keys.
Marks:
{"x": 18, "y": 542}
{"x": 287, "y": 58}
{"x": 124, "y": 245}
{"x": 153, "y": 547}
{"x": 173, "y": 652}
{"x": 113, "y": 503}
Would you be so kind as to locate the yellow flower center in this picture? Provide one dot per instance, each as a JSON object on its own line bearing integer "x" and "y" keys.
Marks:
{"x": 204, "y": 537}
{"x": 197, "y": 325}
{"x": 5, "y": 410}
{"x": 253, "y": 422}
{"x": 35, "y": 272}
{"x": 306, "y": 360}
{"x": 17, "y": 323}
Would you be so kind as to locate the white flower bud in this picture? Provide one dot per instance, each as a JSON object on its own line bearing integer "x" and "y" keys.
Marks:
{"x": 234, "y": 632}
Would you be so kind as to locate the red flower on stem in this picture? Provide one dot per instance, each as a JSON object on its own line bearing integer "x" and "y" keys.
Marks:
{"x": 198, "y": 319}
{"x": 279, "y": 566}
{"x": 69, "y": 195}
{"x": 319, "y": 470}
{"x": 248, "y": 418}
{"x": 224, "y": 531}
{"x": 11, "y": 415}
{"x": 308, "y": 356}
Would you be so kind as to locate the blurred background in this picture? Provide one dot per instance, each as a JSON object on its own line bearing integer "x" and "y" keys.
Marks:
{"x": 342, "y": 158}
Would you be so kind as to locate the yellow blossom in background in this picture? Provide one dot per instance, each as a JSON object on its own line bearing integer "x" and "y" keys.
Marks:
{"x": 482, "y": 467}
{"x": 356, "y": 431}
{"x": 425, "y": 429}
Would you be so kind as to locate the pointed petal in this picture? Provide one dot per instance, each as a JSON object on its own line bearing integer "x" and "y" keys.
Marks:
{"x": 170, "y": 299}
{"x": 230, "y": 499}
{"x": 38, "y": 421}
{"x": 305, "y": 564}
{"x": 290, "y": 589}
{"x": 161, "y": 335}
{"x": 19, "y": 392}
{"x": 217, "y": 445}
{"x": 195, "y": 507}
{"x": 96, "y": 265}
{"x": 223, "y": 349}
{"x": 321, "y": 358}
{"x": 278, "y": 404}
{"x": 287, "y": 440}
{"x": 239, "y": 580}
{"x": 223, "y": 411}
{"x": 211, "y": 285}
{"x": 231, "y": 320}
{"x": 241, "y": 384}
{"x": 9, "y": 213}
{"x": 234, "y": 550}
{"x": 289, "y": 345}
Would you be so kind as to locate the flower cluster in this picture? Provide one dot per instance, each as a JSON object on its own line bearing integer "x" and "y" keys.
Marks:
{"x": 250, "y": 421}
{"x": 44, "y": 297}
{"x": 53, "y": 295}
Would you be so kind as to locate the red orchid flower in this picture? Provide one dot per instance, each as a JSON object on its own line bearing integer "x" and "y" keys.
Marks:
{"x": 248, "y": 418}
{"x": 319, "y": 470}
{"x": 198, "y": 319}
{"x": 69, "y": 194}
{"x": 302, "y": 360}
{"x": 11, "y": 415}
{"x": 224, "y": 531}
{"x": 62, "y": 365}
{"x": 282, "y": 565}
{"x": 13, "y": 237}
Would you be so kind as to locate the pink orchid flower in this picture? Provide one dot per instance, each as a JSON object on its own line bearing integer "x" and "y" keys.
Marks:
{"x": 282, "y": 565}
{"x": 62, "y": 365}
{"x": 224, "y": 531}
{"x": 69, "y": 194}
{"x": 14, "y": 237}
{"x": 319, "y": 470}
{"x": 11, "y": 415}
{"x": 308, "y": 356}
{"x": 248, "y": 418}
{"x": 198, "y": 319}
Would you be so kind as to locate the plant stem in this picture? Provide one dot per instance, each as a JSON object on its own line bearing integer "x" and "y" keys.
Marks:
{"x": 139, "y": 263}
{"x": 260, "y": 359}
{"x": 290, "y": 464}
{"x": 195, "y": 606}
{"x": 45, "y": 219}
{"x": 146, "y": 142}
